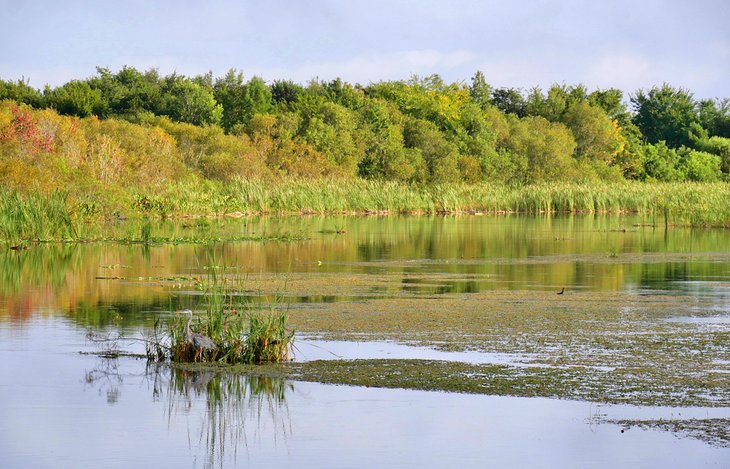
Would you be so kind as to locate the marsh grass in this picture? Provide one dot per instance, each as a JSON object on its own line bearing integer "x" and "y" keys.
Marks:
{"x": 241, "y": 333}
{"x": 687, "y": 204}
{"x": 34, "y": 216}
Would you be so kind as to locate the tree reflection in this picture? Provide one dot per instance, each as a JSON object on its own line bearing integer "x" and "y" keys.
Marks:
{"x": 104, "y": 283}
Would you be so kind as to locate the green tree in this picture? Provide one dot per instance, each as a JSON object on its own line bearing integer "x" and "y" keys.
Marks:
{"x": 700, "y": 166}
{"x": 334, "y": 132}
{"x": 661, "y": 163}
{"x": 387, "y": 158}
{"x": 440, "y": 155}
{"x": 480, "y": 91}
{"x": 75, "y": 98}
{"x": 719, "y": 146}
{"x": 556, "y": 103}
{"x": 476, "y": 138}
{"x": 256, "y": 98}
{"x": 665, "y": 114}
{"x": 230, "y": 92}
{"x": 187, "y": 101}
{"x": 21, "y": 92}
{"x": 714, "y": 116}
{"x": 542, "y": 150}
{"x": 128, "y": 92}
{"x": 509, "y": 101}
{"x": 612, "y": 103}
{"x": 630, "y": 159}
{"x": 427, "y": 98}
{"x": 343, "y": 94}
{"x": 597, "y": 137}
{"x": 285, "y": 92}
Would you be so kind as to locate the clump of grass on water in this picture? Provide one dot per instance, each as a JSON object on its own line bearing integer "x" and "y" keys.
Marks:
{"x": 241, "y": 333}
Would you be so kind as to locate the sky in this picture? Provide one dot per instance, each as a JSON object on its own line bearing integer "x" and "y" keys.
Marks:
{"x": 622, "y": 44}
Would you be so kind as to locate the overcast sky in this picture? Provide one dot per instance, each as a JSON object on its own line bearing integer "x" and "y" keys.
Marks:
{"x": 625, "y": 44}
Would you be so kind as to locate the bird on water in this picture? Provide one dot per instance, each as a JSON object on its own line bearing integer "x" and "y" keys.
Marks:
{"x": 198, "y": 341}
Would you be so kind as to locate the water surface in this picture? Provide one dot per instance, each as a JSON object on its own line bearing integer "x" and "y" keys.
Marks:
{"x": 645, "y": 317}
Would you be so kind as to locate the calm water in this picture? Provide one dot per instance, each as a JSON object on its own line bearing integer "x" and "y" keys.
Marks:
{"x": 60, "y": 408}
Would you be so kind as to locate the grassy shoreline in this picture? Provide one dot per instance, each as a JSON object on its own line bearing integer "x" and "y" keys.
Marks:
{"x": 59, "y": 216}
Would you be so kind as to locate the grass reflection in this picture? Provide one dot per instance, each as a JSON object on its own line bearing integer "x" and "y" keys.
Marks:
{"x": 237, "y": 408}
{"x": 225, "y": 411}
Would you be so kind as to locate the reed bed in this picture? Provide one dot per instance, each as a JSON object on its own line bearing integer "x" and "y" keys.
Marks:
{"x": 34, "y": 217}
{"x": 691, "y": 204}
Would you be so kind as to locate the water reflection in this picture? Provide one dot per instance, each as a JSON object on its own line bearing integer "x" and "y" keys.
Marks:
{"x": 397, "y": 255}
{"x": 106, "y": 378}
{"x": 225, "y": 412}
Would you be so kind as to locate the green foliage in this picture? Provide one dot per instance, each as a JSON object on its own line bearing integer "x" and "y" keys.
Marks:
{"x": 630, "y": 158}
{"x": 387, "y": 158}
{"x": 230, "y": 93}
{"x": 510, "y": 101}
{"x": 256, "y": 98}
{"x": 557, "y": 102}
{"x": 480, "y": 91}
{"x": 440, "y": 155}
{"x": 719, "y": 146}
{"x": 477, "y": 140}
{"x": 241, "y": 101}
{"x": 661, "y": 163}
{"x": 597, "y": 137}
{"x": 75, "y": 98}
{"x": 611, "y": 101}
{"x": 334, "y": 131}
{"x": 427, "y": 98}
{"x": 267, "y": 340}
{"x": 700, "y": 166}
{"x": 189, "y": 102}
{"x": 285, "y": 92}
{"x": 714, "y": 116}
{"x": 128, "y": 92}
{"x": 421, "y": 131}
{"x": 665, "y": 114}
{"x": 20, "y": 92}
{"x": 542, "y": 150}
{"x": 151, "y": 205}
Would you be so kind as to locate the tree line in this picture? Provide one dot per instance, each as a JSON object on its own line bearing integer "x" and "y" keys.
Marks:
{"x": 420, "y": 130}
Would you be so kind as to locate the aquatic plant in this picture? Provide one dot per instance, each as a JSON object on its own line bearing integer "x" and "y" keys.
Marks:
{"x": 241, "y": 333}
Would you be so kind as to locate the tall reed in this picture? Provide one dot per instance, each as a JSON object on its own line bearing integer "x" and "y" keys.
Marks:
{"x": 695, "y": 204}
{"x": 34, "y": 216}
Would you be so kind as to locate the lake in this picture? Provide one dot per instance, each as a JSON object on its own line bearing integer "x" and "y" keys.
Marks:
{"x": 420, "y": 342}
